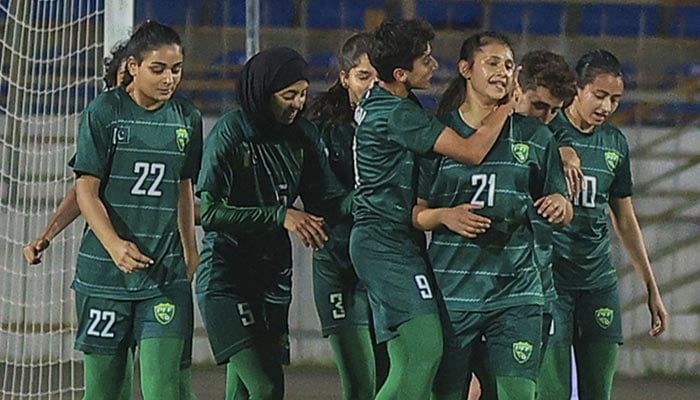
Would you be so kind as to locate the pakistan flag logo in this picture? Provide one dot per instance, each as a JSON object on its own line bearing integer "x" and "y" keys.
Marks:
{"x": 522, "y": 351}
{"x": 164, "y": 312}
{"x": 182, "y": 137}
{"x": 604, "y": 317}
{"x": 611, "y": 160}
{"x": 520, "y": 151}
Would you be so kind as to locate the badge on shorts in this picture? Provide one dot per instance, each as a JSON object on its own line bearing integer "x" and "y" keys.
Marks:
{"x": 611, "y": 160}
{"x": 604, "y": 317}
{"x": 520, "y": 151}
{"x": 522, "y": 351}
{"x": 164, "y": 312}
{"x": 182, "y": 137}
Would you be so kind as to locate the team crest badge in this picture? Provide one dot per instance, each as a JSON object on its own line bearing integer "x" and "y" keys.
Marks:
{"x": 522, "y": 351}
{"x": 164, "y": 312}
{"x": 182, "y": 137}
{"x": 604, "y": 317}
{"x": 611, "y": 160}
{"x": 520, "y": 151}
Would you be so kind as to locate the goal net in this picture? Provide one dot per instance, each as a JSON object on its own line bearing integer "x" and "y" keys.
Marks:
{"x": 51, "y": 66}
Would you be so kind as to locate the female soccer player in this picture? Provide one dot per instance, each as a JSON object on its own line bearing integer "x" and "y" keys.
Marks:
{"x": 387, "y": 252}
{"x": 341, "y": 300}
{"x": 138, "y": 155}
{"x": 481, "y": 217}
{"x": 257, "y": 160}
{"x": 587, "y": 312}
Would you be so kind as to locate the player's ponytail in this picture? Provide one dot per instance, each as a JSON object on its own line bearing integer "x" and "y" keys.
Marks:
{"x": 151, "y": 35}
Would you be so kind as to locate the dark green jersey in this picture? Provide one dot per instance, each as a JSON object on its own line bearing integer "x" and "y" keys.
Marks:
{"x": 498, "y": 269}
{"x": 258, "y": 175}
{"x": 582, "y": 258}
{"x": 336, "y": 143}
{"x": 140, "y": 157}
{"x": 392, "y": 131}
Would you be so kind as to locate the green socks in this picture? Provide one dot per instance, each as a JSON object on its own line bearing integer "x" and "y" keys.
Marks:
{"x": 354, "y": 357}
{"x": 595, "y": 367}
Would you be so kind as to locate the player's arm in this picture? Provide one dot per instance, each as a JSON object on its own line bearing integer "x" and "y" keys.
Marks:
{"x": 473, "y": 149}
{"x": 185, "y": 223}
{"x": 459, "y": 219}
{"x": 627, "y": 227}
{"x": 125, "y": 254}
{"x": 66, "y": 213}
{"x": 572, "y": 171}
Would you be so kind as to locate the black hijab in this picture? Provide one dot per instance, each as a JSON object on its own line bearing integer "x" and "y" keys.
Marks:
{"x": 263, "y": 75}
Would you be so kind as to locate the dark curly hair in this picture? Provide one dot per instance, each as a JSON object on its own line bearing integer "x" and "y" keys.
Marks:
{"x": 549, "y": 70}
{"x": 397, "y": 43}
{"x": 112, "y": 64}
{"x": 333, "y": 105}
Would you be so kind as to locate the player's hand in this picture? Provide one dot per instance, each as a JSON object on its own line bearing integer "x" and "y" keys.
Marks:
{"x": 462, "y": 221}
{"x": 191, "y": 263}
{"x": 514, "y": 95}
{"x": 659, "y": 315}
{"x": 32, "y": 251}
{"x": 307, "y": 227}
{"x": 572, "y": 171}
{"x": 128, "y": 257}
{"x": 552, "y": 208}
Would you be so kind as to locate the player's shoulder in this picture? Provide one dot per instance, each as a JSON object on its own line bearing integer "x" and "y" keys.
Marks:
{"x": 231, "y": 127}
{"x": 107, "y": 101}
{"x": 532, "y": 127}
{"x": 185, "y": 107}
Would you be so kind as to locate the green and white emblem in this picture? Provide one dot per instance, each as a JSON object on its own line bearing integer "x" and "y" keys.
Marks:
{"x": 604, "y": 317}
{"x": 164, "y": 312}
{"x": 611, "y": 160}
{"x": 182, "y": 137}
{"x": 522, "y": 351}
{"x": 520, "y": 151}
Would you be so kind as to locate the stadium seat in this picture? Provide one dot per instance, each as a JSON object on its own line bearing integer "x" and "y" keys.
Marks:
{"x": 685, "y": 22}
{"x": 533, "y": 18}
{"x": 451, "y": 14}
{"x": 339, "y": 14}
{"x": 618, "y": 20}
{"x": 169, "y": 12}
{"x": 233, "y": 13}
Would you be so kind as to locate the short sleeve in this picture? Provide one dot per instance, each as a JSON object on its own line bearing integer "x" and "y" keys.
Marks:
{"x": 412, "y": 128}
{"x": 95, "y": 146}
{"x": 193, "y": 160}
{"x": 621, "y": 186}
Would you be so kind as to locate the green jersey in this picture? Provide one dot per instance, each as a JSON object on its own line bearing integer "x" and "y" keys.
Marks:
{"x": 258, "y": 175}
{"x": 498, "y": 269}
{"x": 140, "y": 157}
{"x": 392, "y": 131}
{"x": 582, "y": 258}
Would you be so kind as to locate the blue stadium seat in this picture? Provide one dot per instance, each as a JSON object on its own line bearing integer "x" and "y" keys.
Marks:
{"x": 229, "y": 13}
{"x": 169, "y": 12}
{"x": 451, "y": 14}
{"x": 534, "y": 18}
{"x": 232, "y": 13}
{"x": 685, "y": 22}
{"x": 336, "y": 14}
{"x": 631, "y": 75}
{"x": 618, "y": 20}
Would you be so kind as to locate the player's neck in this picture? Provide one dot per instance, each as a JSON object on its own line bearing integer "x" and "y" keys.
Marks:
{"x": 396, "y": 88}
{"x": 475, "y": 108}
{"x": 143, "y": 101}
{"x": 577, "y": 120}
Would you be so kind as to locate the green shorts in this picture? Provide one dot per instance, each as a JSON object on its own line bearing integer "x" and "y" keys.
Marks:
{"x": 340, "y": 297}
{"x": 107, "y": 326}
{"x": 504, "y": 342}
{"x": 587, "y": 316}
{"x": 391, "y": 263}
{"x": 254, "y": 312}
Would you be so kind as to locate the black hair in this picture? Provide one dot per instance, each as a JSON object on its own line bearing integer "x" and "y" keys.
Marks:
{"x": 456, "y": 92}
{"x": 151, "y": 35}
{"x": 333, "y": 105}
{"x": 397, "y": 43}
{"x": 549, "y": 70}
{"x": 112, "y": 64}
{"x": 595, "y": 63}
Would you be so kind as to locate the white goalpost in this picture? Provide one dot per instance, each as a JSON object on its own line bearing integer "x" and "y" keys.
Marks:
{"x": 51, "y": 66}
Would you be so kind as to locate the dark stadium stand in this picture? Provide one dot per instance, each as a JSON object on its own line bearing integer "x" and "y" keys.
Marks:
{"x": 618, "y": 20}
{"x": 532, "y": 18}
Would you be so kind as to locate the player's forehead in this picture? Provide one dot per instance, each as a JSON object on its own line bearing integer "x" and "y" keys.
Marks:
{"x": 542, "y": 94}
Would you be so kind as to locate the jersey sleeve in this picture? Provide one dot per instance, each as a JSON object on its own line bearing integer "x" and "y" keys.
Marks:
{"x": 427, "y": 173}
{"x": 95, "y": 147}
{"x": 412, "y": 128}
{"x": 551, "y": 171}
{"x": 217, "y": 174}
{"x": 621, "y": 186}
{"x": 193, "y": 159}
{"x": 563, "y": 136}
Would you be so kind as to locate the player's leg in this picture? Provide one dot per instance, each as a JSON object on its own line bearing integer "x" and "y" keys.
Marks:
{"x": 461, "y": 331}
{"x": 342, "y": 307}
{"x": 513, "y": 341}
{"x": 162, "y": 326}
{"x": 598, "y": 317}
{"x": 485, "y": 376}
{"x": 554, "y": 381}
{"x": 186, "y": 392}
{"x": 105, "y": 336}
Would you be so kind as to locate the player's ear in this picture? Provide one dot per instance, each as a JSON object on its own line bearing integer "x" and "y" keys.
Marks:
{"x": 464, "y": 68}
{"x": 132, "y": 65}
{"x": 400, "y": 75}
